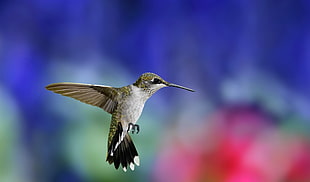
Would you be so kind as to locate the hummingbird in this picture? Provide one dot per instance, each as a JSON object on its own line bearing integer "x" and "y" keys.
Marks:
{"x": 125, "y": 104}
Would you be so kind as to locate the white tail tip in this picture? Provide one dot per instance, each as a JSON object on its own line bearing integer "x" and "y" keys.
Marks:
{"x": 137, "y": 160}
{"x": 132, "y": 166}
{"x": 124, "y": 169}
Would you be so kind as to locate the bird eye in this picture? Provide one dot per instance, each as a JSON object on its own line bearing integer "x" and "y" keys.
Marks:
{"x": 156, "y": 81}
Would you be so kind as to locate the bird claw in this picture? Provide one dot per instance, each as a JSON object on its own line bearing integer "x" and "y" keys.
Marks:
{"x": 133, "y": 127}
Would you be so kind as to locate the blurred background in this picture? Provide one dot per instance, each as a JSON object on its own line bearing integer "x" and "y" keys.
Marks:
{"x": 249, "y": 62}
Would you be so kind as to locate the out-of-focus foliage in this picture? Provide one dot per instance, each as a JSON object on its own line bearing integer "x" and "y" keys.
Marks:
{"x": 249, "y": 120}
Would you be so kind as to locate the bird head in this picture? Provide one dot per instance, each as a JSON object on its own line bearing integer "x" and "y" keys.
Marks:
{"x": 152, "y": 83}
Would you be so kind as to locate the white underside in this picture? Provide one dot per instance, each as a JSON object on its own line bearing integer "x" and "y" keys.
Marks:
{"x": 131, "y": 111}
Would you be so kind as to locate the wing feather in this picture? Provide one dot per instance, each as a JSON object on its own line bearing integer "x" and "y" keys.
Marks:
{"x": 96, "y": 95}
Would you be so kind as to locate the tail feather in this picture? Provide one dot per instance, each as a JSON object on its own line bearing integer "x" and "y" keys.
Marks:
{"x": 124, "y": 152}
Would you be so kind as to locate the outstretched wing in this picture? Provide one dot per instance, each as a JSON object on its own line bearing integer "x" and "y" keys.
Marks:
{"x": 96, "y": 95}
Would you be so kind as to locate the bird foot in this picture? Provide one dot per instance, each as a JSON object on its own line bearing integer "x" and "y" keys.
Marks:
{"x": 133, "y": 127}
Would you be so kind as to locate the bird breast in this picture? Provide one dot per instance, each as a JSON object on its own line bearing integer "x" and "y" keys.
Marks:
{"x": 133, "y": 104}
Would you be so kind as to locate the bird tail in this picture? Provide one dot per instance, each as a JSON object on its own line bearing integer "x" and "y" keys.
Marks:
{"x": 121, "y": 150}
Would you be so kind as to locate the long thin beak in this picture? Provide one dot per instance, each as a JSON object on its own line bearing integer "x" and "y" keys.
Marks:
{"x": 179, "y": 86}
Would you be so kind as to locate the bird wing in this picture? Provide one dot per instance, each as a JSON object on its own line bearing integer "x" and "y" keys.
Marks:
{"x": 96, "y": 95}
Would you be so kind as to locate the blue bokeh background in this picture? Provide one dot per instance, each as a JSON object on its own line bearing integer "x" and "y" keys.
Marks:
{"x": 249, "y": 55}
